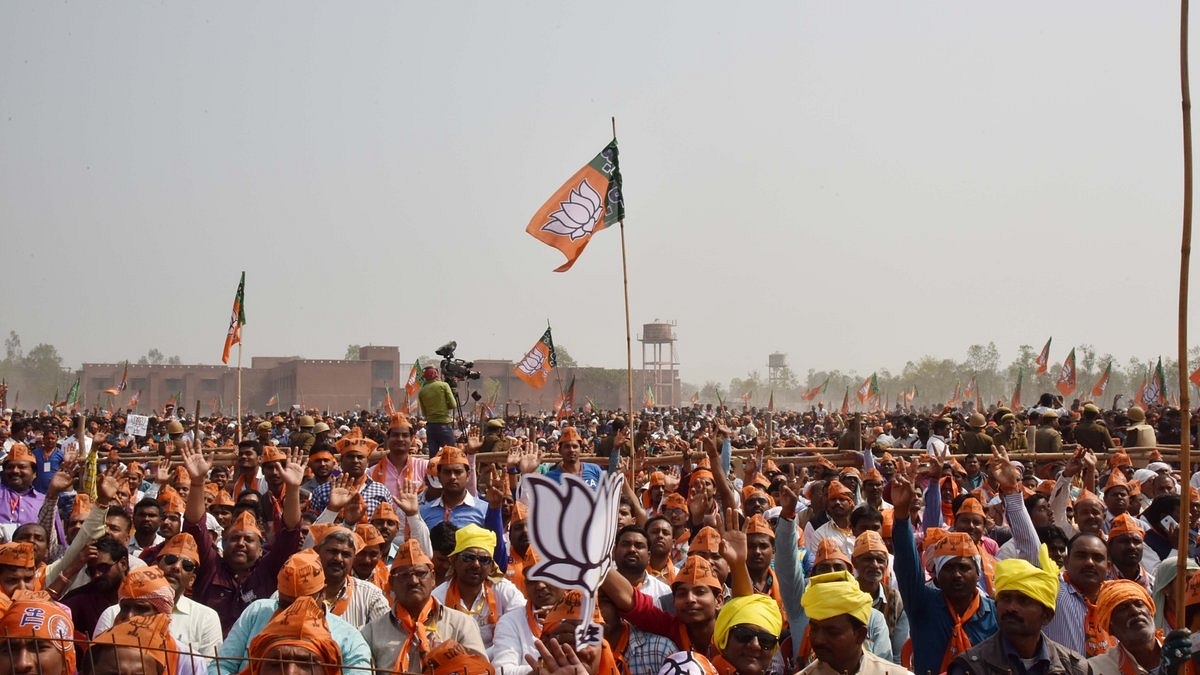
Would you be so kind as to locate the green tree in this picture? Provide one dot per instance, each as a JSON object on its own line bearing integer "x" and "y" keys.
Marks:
{"x": 352, "y": 352}
{"x": 564, "y": 358}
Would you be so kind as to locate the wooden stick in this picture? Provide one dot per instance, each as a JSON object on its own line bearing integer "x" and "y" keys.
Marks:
{"x": 628, "y": 335}
{"x": 1185, "y": 256}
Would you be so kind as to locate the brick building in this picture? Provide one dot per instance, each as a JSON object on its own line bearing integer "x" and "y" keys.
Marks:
{"x": 339, "y": 385}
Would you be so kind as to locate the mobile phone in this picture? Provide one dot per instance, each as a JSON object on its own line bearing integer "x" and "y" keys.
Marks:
{"x": 1168, "y": 523}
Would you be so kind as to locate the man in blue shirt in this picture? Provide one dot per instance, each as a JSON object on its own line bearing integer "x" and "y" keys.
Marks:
{"x": 49, "y": 457}
{"x": 950, "y": 615}
{"x": 570, "y": 449}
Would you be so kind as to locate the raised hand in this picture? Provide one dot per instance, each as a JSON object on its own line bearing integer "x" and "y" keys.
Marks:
{"x": 495, "y": 490}
{"x": 474, "y": 442}
{"x": 293, "y": 467}
{"x": 109, "y": 483}
{"x": 162, "y": 471}
{"x": 353, "y": 512}
{"x": 530, "y": 458}
{"x": 733, "y": 540}
{"x": 788, "y": 501}
{"x": 407, "y": 499}
{"x": 341, "y": 490}
{"x": 1001, "y": 470}
{"x": 197, "y": 464}
{"x": 903, "y": 494}
{"x": 62, "y": 480}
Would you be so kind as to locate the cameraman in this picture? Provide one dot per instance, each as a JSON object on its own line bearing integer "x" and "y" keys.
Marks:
{"x": 438, "y": 406}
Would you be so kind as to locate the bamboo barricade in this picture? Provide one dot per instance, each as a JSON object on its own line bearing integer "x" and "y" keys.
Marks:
{"x": 799, "y": 456}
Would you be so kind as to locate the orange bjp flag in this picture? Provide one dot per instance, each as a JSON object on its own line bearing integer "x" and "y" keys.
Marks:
{"x": 535, "y": 367}
{"x": 588, "y": 202}
{"x": 1066, "y": 377}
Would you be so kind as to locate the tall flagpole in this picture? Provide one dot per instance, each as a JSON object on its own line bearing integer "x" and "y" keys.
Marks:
{"x": 625, "y": 283}
{"x": 239, "y": 390}
{"x": 1185, "y": 254}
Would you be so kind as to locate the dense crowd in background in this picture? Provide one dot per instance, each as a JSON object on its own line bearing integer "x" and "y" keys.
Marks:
{"x": 750, "y": 541}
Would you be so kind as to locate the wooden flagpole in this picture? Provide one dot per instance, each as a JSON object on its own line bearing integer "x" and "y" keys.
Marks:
{"x": 239, "y": 389}
{"x": 1185, "y": 254}
{"x": 625, "y": 283}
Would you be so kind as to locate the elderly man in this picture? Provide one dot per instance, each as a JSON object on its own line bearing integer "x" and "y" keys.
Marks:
{"x": 1126, "y": 610}
{"x": 300, "y": 577}
{"x": 297, "y": 636}
{"x": 400, "y": 638}
{"x": 838, "y": 613}
{"x": 243, "y": 573}
{"x": 1025, "y": 599}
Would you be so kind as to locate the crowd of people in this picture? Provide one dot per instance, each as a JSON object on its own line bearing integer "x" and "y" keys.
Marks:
{"x": 903, "y": 541}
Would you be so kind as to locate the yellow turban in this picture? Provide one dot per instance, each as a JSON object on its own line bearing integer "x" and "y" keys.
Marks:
{"x": 1018, "y": 575}
{"x": 829, "y": 595}
{"x": 474, "y": 536}
{"x": 757, "y": 610}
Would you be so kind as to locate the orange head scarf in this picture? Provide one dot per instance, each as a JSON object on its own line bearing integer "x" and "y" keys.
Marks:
{"x": 451, "y": 658}
{"x": 301, "y": 625}
{"x": 34, "y": 615}
{"x": 147, "y": 634}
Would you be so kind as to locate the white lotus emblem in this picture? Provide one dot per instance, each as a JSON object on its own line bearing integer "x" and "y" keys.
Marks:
{"x": 577, "y": 217}
{"x": 532, "y": 363}
{"x": 572, "y": 528}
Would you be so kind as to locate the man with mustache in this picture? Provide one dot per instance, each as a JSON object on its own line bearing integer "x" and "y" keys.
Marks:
{"x": 355, "y": 601}
{"x": 1127, "y": 611}
{"x": 1026, "y": 597}
{"x": 1075, "y": 624}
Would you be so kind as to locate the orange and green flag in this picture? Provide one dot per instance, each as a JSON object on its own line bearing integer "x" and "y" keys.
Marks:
{"x": 588, "y": 202}
{"x": 1043, "y": 359}
{"x": 388, "y": 406}
{"x": 236, "y": 321}
{"x": 1015, "y": 402}
{"x": 113, "y": 391}
{"x": 869, "y": 388}
{"x": 649, "y": 401}
{"x": 1102, "y": 384}
{"x": 541, "y": 358}
{"x": 1066, "y": 376}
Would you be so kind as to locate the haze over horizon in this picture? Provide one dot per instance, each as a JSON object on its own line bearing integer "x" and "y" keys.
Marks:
{"x": 856, "y": 186}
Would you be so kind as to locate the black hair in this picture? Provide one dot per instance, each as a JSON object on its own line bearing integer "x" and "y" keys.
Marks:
{"x": 1084, "y": 535}
{"x": 636, "y": 529}
{"x": 115, "y": 549}
{"x": 1163, "y": 505}
{"x": 1048, "y": 534}
{"x": 441, "y": 537}
{"x": 119, "y": 513}
{"x": 1032, "y": 500}
{"x": 146, "y": 502}
{"x": 655, "y": 517}
{"x": 863, "y": 513}
{"x": 251, "y": 443}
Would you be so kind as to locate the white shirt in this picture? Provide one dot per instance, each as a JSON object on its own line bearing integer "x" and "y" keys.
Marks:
{"x": 196, "y": 627}
{"x": 508, "y": 598}
{"x": 512, "y": 642}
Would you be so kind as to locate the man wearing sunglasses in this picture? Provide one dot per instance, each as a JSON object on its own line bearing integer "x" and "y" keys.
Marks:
{"x": 107, "y": 564}
{"x": 475, "y": 585}
{"x": 195, "y": 627}
{"x": 747, "y": 633}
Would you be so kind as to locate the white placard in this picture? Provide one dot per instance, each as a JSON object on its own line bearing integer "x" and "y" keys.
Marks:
{"x": 136, "y": 425}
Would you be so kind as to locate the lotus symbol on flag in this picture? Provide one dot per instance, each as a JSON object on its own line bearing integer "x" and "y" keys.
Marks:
{"x": 576, "y": 218}
{"x": 532, "y": 362}
{"x": 572, "y": 528}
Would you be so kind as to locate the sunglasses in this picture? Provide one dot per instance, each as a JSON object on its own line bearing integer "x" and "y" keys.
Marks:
{"x": 472, "y": 558}
{"x": 188, "y": 565}
{"x": 744, "y": 634}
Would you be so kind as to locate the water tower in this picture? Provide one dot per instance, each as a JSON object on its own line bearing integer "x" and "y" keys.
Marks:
{"x": 777, "y": 370}
{"x": 659, "y": 367}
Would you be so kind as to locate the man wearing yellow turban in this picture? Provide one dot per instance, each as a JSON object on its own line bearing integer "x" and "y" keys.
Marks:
{"x": 1026, "y": 597}
{"x": 747, "y": 633}
{"x": 838, "y": 612}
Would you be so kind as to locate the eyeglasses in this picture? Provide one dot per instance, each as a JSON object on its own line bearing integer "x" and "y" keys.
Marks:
{"x": 744, "y": 634}
{"x": 471, "y": 558}
{"x": 418, "y": 574}
{"x": 188, "y": 565}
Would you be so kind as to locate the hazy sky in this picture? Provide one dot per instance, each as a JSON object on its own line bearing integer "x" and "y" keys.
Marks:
{"x": 854, "y": 184}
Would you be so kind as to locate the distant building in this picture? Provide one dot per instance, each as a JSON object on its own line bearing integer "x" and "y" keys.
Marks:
{"x": 339, "y": 385}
